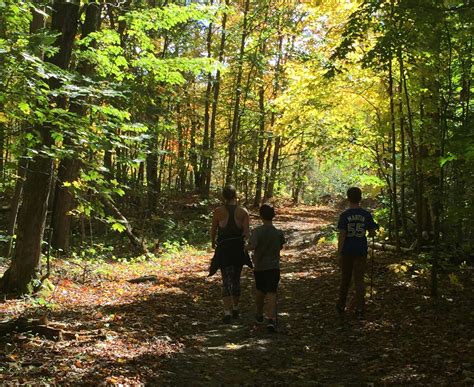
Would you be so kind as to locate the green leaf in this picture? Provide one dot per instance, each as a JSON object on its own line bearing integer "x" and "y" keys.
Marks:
{"x": 118, "y": 227}
{"x": 24, "y": 107}
{"x": 449, "y": 157}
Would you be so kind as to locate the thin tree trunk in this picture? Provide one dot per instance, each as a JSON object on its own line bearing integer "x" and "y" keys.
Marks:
{"x": 152, "y": 173}
{"x": 273, "y": 169}
{"x": 414, "y": 160}
{"x": 181, "y": 162}
{"x": 215, "y": 101}
{"x": 261, "y": 147}
{"x": 268, "y": 158}
{"x": 394, "y": 156}
{"x": 196, "y": 180}
{"x": 2, "y": 148}
{"x": 205, "y": 158}
{"x": 164, "y": 146}
{"x": 234, "y": 132}
{"x": 403, "y": 210}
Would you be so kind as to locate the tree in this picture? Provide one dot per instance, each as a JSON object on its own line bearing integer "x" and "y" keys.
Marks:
{"x": 32, "y": 214}
{"x": 68, "y": 170}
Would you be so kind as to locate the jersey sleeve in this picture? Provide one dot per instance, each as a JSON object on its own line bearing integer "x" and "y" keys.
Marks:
{"x": 342, "y": 222}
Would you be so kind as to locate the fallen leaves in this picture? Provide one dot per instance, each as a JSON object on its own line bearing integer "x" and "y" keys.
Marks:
{"x": 168, "y": 331}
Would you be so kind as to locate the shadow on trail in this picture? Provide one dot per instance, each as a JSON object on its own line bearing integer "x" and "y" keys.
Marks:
{"x": 175, "y": 335}
{"x": 188, "y": 317}
{"x": 312, "y": 346}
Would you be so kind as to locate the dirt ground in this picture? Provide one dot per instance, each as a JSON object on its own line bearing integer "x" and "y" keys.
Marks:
{"x": 169, "y": 332}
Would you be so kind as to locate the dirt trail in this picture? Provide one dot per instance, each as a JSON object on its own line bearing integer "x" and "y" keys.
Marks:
{"x": 244, "y": 353}
{"x": 170, "y": 332}
{"x": 398, "y": 343}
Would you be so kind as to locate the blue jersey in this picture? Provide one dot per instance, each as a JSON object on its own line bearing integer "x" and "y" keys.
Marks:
{"x": 356, "y": 222}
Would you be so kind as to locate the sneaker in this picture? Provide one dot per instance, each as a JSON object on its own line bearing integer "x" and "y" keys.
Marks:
{"x": 271, "y": 325}
{"x": 340, "y": 310}
{"x": 235, "y": 313}
{"x": 359, "y": 315}
{"x": 259, "y": 319}
{"x": 227, "y": 319}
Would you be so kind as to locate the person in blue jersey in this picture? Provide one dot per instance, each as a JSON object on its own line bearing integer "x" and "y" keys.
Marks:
{"x": 354, "y": 224}
{"x": 229, "y": 230}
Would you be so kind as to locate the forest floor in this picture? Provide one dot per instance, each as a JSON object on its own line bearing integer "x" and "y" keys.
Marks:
{"x": 169, "y": 331}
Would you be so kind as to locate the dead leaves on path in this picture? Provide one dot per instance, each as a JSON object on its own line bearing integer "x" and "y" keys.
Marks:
{"x": 168, "y": 330}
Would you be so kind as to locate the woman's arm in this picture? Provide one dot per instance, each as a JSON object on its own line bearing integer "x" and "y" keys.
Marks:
{"x": 215, "y": 223}
{"x": 246, "y": 224}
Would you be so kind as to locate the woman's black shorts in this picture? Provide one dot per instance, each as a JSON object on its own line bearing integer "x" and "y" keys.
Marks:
{"x": 267, "y": 280}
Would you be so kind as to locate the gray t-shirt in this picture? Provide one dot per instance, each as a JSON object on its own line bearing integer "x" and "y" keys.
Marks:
{"x": 268, "y": 241}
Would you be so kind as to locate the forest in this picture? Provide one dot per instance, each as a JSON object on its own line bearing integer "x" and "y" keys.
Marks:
{"x": 122, "y": 120}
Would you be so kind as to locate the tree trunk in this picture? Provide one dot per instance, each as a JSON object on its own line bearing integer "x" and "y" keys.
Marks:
{"x": 394, "y": 156}
{"x": 234, "y": 132}
{"x": 414, "y": 159}
{"x": 164, "y": 147}
{"x": 15, "y": 203}
{"x": 2, "y": 147}
{"x": 32, "y": 216}
{"x": 69, "y": 167}
{"x": 205, "y": 158}
{"x": 215, "y": 101}
{"x": 196, "y": 181}
{"x": 403, "y": 210}
{"x": 152, "y": 173}
{"x": 261, "y": 147}
{"x": 181, "y": 162}
{"x": 273, "y": 169}
{"x": 268, "y": 157}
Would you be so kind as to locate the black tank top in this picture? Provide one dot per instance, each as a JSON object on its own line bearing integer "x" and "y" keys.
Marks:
{"x": 231, "y": 230}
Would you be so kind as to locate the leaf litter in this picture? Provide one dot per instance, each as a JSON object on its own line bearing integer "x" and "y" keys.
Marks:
{"x": 169, "y": 331}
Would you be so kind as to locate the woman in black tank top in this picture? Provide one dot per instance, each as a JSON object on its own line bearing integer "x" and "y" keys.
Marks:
{"x": 230, "y": 230}
{"x": 229, "y": 254}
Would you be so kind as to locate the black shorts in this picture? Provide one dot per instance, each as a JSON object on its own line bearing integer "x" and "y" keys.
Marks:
{"x": 267, "y": 280}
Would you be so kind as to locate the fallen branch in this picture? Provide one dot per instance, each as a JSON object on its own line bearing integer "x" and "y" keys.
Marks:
{"x": 41, "y": 327}
{"x": 387, "y": 247}
{"x": 33, "y": 326}
{"x": 110, "y": 207}
{"x": 147, "y": 278}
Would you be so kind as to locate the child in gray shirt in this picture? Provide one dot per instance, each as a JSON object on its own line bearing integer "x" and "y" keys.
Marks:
{"x": 266, "y": 241}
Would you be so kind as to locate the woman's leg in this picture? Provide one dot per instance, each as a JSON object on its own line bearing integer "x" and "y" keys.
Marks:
{"x": 227, "y": 288}
{"x": 236, "y": 272}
